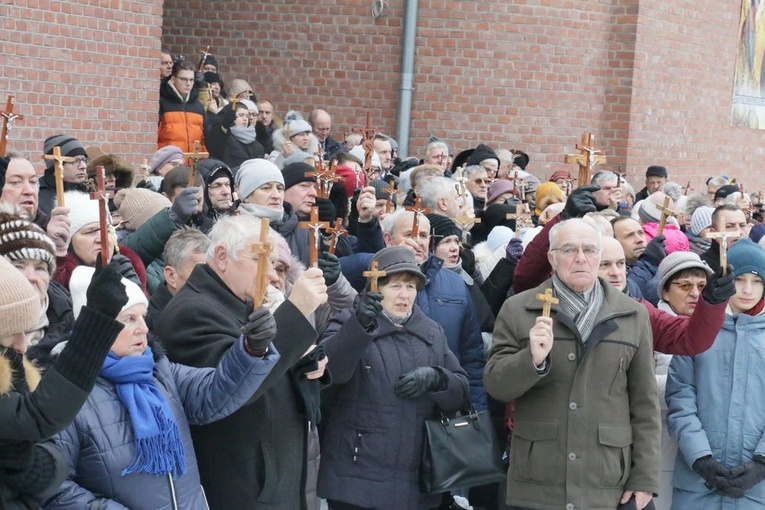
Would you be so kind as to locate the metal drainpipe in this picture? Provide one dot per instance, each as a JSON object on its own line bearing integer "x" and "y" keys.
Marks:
{"x": 404, "y": 111}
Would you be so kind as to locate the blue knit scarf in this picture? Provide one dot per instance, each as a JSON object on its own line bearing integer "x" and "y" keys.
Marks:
{"x": 158, "y": 445}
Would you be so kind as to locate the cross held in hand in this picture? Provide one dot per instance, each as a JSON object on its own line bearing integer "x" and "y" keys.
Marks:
{"x": 547, "y": 300}
{"x": 722, "y": 237}
{"x": 335, "y": 232}
{"x": 195, "y": 157}
{"x": 58, "y": 171}
{"x": 417, "y": 209}
{"x": 665, "y": 211}
{"x": 466, "y": 222}
{"x": 103, "y": 222}
{"x": 522, "y": 218}
{"x": 373, "y": 275}
{"x": 587, "y": 158}
{"x": 8, "y": 118}
{"x": 391, "y": 191}
{"x": 263, "y": 250}
{"x": 314, "y": 227}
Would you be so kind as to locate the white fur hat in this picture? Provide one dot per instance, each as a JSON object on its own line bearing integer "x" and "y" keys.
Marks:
{"x": 80, "y": 280}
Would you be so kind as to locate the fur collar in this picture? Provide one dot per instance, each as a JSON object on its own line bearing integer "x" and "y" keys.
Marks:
{"x": 31, "y": 373}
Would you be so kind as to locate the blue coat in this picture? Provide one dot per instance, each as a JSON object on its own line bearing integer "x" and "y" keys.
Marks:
{"x": 446, "y": 300}
{"x": 99, "y": 443}
{"x": 716, "y": 404}
{"x": 372, "y": 439}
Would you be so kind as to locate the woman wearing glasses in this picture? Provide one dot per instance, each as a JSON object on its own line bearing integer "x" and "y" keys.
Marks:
{"x": 715, "y": 399}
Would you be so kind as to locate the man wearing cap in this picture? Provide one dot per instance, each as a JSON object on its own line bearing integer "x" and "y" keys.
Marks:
{"x": 655, "y": 178}
{"x": 182, "y": 118}
{"x": 219, "y": 188}
{"x": 484, "y": 156}
{"x": 586, "y": 422}
{"x": 321, "y": 123}
{"x": 75, "y": 172}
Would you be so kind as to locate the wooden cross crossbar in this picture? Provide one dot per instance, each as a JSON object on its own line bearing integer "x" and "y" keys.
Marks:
{"x": 522, "y": 218}
{"x": 195, "y": 157}
{"x": 722, "y": 236}
{"x": 665, "y": 211}
{"x": 547, "y": 300}
{"x": 466, "y": 222}
{"x": 687, "y": 188}
{"x": 369, "y": 134}
{"x": 263, "y": 250}
{"x": 103, "y": 223}
{"x": 417, "y": 209}
{"x": 373, "y": 275}
{"x": 58, "y": 169}
{"x": 587, "y": 158}
{"x": 8, "y": 118}
{"x": 391, "y": 191}
{"x": 314, "y": 227}
{"x": 335, "y": 232}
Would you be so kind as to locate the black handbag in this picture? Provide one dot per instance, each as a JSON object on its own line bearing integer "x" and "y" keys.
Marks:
{"x": 460, "y": 452}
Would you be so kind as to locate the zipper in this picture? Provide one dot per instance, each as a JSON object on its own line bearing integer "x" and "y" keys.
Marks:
{"x": 356, "y": 446}
{"x": 172, "y": 491}
{"x": 621, "y": 367}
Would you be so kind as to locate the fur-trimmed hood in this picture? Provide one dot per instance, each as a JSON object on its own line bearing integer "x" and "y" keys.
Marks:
{"x": 8, "y": 378}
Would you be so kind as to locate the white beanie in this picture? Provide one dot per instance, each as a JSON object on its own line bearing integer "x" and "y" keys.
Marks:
{"x": 82, "y": 210}
{"x": 253, "y": 174}
{"x": 78, "y": 286}
{"x": 358, "y": 151}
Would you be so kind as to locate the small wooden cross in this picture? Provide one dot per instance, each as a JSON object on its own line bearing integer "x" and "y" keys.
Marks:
{"x": 205, "y": 52}
{"x": 587, "y": 158}
{"x": 58, "y": 169}
{"x": 373, "y": 275}
{"x": 263, "y": 250}
{"x": 329, "y": 178}
{"x": 8, "y": 118}
{"x": 314, "y": 226}
{"x": 517, "y": 189}
{"x": 687, "y": 188}
{"x": 391, "y": 191}
{"x": 462, "y": 181}
{"x": 722, "y": 236}
{"x": 547, "y": 299}
{"x": 466, "y": 222}
{"x": 144, "y": 169}
{"x": 665, "y": 211}
{"x": 335, "y": 232}
{"x": 417, "y": 209}
{"x": 368, "y": 144}
{"x": 195, "y": 157}
{"x": 103, "y": 223}
{"x": 522, "y": 218}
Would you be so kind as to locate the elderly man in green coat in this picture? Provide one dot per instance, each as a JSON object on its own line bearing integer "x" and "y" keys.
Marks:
{"x": 587, "y": 428}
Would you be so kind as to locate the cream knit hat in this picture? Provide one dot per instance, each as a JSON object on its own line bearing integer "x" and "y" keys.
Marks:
{"x": 138, "y": 205}
{"x": 19, "y": 302}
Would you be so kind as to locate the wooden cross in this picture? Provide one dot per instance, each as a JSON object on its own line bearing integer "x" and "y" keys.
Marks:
{"x": 516, "y": 188}
{"x": 462, "y": 180}
{"x": 687, "y": 188}
{"x": 8, "y": 118}
{"x": 587, "y": 158}
{"x": 314, "y": 226}
{"x": 547, "y": 299}
{"x": 368, "y": 145}
{"x": 329, "y": 178}
{"x": 722, "y": 236}
{"x": 417, "y": 209}
{"x": 522, "y": 218}
{"x": 391, "y": 191}
{"x": 100, "y": 195}
{"x": 665, "y": 211}
{"x": 335, "y": 232}
{"x": 205, "y": 52}
{"x": 263, "y": 250}
{"x": 466, "y": 222}
{"x": 144, "y": 169}
{"x": 58, "y": 169}
{"x": 373, "y": 275}
{"x": 194, "y": 157}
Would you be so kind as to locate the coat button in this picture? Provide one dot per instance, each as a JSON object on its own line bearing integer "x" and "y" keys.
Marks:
{"x": 572, "y": 406}
{"x": 571, "y": 456}
{"x": 571, "y": 356}
{"x": 570, "y": 506}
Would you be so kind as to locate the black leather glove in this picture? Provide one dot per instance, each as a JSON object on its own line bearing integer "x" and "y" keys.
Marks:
{"x": 106, "y": 293}
{"x": 714, "y": 474}
{"x": 330, "y": 266}
{"x": 720, "y": 287}
{"x": 327, "y": 211}
{"x": 184, "y": 206}
{"x": 514, "y": 250}
{"x": 199, "y": 79}
{"x": 580, "y": 202}
{"x": 420, "y": 381}
{"x": 368, "y": 309}
{"x": 259, "y": 330}
{"x": 732, "y": 492}
{"x": 227, "y": 116}
{"x": 753, "y": 473}
{"x": 468, "y": 260}
{"x": 655, "y": 252}
{"x": 16, "y": 456}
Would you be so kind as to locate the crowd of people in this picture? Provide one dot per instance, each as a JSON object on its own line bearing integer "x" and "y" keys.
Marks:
{"x": 151, "y": 368}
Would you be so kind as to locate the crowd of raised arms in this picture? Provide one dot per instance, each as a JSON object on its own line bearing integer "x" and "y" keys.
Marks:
{"x": 262, "y": 316}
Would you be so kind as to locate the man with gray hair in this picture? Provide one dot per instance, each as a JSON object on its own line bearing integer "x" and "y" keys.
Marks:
{"x": 439, "y": 194}
{"x": 587, "y": 428}
{"x": 437, "y": 153}
{"x": 264, "y": 443}
{"x": 609, "y": 195}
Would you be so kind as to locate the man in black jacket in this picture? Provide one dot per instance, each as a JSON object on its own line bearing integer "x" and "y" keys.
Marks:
{"x": 255, "y": 458}
{"x": 321, "y": 123}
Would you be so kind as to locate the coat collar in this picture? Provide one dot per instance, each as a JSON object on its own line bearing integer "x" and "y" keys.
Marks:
{"x": 205, "y": 281}
{"x": 416, "y": 326}
{"x": 7, "y": 377}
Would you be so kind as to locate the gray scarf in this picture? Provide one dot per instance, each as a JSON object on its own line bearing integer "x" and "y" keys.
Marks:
{"x": 261, "y": 211}
{"x": 581, "y": 310}
{"x": 246, "y": 135}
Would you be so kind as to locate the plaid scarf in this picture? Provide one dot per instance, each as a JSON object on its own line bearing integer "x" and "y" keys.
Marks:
{"x": 580, "y": 310}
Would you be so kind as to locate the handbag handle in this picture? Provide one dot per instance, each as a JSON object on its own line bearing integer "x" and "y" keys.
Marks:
{"x": 467, "y": 411}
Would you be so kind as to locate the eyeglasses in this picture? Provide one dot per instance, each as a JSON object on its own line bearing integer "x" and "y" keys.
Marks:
{"x": 570, "y": 250}
{"x": 688, "y": 286}
{"x": 77, "y": 161}
{"x": 481, "y": 182}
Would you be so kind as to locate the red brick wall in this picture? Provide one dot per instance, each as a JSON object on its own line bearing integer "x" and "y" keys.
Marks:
{"x": 90, "y": 71}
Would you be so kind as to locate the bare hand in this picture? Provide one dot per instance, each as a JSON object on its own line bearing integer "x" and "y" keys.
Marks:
{"x": 641, "y": 498}
{"x": 614, "y": 198}
{"x": 366, "y": 204}
{"x": 288, "y": 149}
{"x": 319, "y": 372}
{"x": 58, "y": 229}
{"x": 309, "y": 291}
{"x": 541, "y": 339}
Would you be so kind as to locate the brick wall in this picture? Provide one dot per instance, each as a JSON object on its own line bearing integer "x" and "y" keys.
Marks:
{"x": 89, "y": 69}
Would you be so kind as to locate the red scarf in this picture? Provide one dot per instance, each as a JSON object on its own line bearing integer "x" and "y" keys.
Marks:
{"x": 756, "y": 309}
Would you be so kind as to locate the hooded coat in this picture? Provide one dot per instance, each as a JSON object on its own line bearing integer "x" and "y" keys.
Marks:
{"x": 181, "y": 122}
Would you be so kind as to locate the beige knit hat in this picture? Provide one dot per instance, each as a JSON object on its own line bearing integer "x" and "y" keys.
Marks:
{"x": 19, "y": 302}
{"x": 138, "y": 205}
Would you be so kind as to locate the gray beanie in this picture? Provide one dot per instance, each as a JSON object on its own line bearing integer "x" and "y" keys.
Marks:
{"x": 254, "y": 173}
{"x": 298, "y": 157}
{"x": 701, "y": 219}
{"x": 164, "y": 156}
{"x": 70, "y": 147}
{"x": 678, "y": 261}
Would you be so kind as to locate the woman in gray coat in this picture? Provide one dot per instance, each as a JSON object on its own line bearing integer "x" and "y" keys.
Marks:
{"x": 130, "y": 445}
